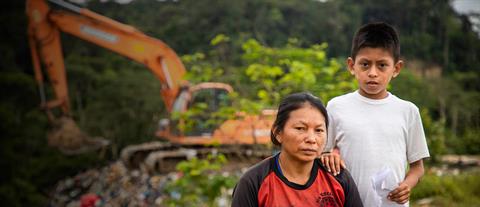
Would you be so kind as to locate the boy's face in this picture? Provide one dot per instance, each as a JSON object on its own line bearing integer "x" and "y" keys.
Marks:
{"x": 374, "y": 68}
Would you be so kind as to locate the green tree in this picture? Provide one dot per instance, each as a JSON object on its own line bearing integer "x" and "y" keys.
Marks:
{"x": 277, "y": 72}
{"x": 200, "y": 184}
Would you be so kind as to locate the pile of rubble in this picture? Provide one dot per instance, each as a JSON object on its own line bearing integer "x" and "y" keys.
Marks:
{"x": 116, "y": 185}
{"x": 112, "y": 185}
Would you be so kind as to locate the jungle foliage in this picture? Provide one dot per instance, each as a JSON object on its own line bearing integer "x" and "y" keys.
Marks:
{"x": 264, "y": 48}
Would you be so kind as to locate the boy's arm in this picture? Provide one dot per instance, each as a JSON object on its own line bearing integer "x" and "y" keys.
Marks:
{"x": 401, "y": 194}
{"x": 330, "y": 157}
{"x": 332, "y": 161}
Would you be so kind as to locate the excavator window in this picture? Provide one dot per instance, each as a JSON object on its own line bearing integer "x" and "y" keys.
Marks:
{"x": 208, "y": 102}
{"x": 213, "y": 97}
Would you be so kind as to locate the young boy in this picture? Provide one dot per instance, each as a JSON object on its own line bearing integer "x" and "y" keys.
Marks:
{"x": 376, "y": 133}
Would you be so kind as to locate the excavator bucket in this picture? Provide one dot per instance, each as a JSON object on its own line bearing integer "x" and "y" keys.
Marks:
{"x": 70, "y": 140}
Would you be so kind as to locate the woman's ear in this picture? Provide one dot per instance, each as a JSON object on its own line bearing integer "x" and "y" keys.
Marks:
{"x": 277, "y": 135}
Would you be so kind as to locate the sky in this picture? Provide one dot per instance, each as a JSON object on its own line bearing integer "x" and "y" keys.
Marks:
{"x": 466, "y": 6}
{"x": 469, "y": 7}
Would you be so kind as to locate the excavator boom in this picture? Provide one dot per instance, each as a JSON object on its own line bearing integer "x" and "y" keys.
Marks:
{"x": 45, "y": 25}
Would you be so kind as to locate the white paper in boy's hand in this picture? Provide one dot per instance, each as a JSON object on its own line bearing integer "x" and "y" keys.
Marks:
{"x": 385, "y": 179}
{"x": 383, "y": 182}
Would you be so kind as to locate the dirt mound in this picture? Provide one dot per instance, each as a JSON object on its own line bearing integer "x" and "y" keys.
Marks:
{"x": 68, "y": 138}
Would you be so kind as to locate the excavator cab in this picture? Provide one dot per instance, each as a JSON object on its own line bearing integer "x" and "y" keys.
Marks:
{"x": 207, "y": 103}
{"x": 201, "y": 102}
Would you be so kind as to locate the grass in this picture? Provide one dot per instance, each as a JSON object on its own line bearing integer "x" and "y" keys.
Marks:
{"x": 462, "y": 189}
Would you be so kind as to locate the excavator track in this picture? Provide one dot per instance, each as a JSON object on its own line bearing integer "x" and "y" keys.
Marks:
{"x": 162, "y": 157}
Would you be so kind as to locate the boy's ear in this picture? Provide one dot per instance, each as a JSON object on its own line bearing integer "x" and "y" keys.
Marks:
{"x": 350, "y": 64}
{"x": 398, "y": 68}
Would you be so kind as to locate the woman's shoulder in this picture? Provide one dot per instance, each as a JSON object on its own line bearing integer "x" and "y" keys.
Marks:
{"x": 259, "y": 171}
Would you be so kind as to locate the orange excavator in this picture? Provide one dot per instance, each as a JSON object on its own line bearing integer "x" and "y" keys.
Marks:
{"x": 240, "y": 136}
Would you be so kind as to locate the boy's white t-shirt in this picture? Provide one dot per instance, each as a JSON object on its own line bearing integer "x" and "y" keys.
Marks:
{"x": 376, "y": 137}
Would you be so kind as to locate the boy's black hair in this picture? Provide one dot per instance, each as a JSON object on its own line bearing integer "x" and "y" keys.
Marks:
{"x": 291, "y": 103}
{"x": 376, "y": 35}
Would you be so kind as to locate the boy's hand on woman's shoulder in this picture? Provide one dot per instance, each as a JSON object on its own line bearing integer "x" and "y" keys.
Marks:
{"x": 333, "y": 162}
{"x": 401, "y": 194}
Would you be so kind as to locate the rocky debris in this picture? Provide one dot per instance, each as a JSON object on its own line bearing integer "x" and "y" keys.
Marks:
{"x": 461, "y": 160}
{"x": 425, "y": 202}
{"x": 112, "y": 185}
{"x": 116, "y": 185}
{"x": 455, "y": 164}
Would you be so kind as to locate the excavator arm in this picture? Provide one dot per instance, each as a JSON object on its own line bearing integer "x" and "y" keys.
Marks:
{"x": 44, "y": 27}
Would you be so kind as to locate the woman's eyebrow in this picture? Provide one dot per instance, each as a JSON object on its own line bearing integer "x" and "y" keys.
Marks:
{"x": 305, "y": 123}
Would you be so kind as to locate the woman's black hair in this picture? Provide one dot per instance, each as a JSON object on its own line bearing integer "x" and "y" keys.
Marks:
{"x": 291, "y": 103}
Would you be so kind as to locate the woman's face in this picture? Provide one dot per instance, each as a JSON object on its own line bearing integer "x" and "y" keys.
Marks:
{"x": 304, "y": 134}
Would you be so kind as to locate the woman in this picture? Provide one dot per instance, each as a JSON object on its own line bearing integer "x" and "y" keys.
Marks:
{"x": 295, "y": 177}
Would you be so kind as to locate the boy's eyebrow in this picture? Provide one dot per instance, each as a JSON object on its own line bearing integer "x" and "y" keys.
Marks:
{"x": 363, "y": 60}
{"x": 366, "y": 59}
